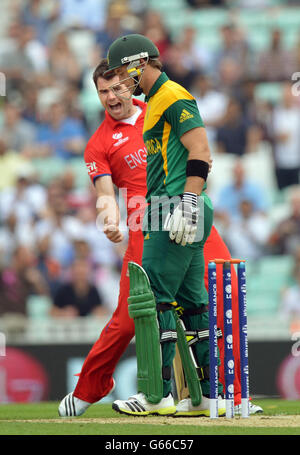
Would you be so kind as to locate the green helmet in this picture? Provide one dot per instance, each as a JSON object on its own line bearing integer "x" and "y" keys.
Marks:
{"x": 129, "y": 48}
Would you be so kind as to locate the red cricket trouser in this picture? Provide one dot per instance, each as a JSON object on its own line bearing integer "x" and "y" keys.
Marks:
{"x": 95, "y": 380}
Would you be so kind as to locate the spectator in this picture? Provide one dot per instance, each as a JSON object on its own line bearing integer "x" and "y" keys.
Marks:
{"x": 79, "y": 296}
{"x": 241, "y": 189}
{"x": 34, "y": 15}
{"x": 76, "y": 195}
{"x": 286, "y": 127}
{"x": 212, "y": 104}
{"x": 62, "y": 136}
{"x": 15, "y": 62}
{"x": 12, "y": 234}
{"x": 82, "y": 14}
{"x": 30, "y": 93}
{"x": 10, "y": 164}
{"x": 63, "y": 65}
{"x": 20, "y": 280}
{"x": 234, "y": 47}
{"x": 48, "y": 267}
{"x": 195, "y": 56}
{"x": 257, "y": 113}
{"x": 296, "y": 255}
{"x": 290, "y": 301}
{"x": 276, "y": 63}
{"x": 71, "y": 100}
{"x": 114, "y": 25}
{"x": 296, "y": 56}
{"x": 103, "y": 252}
{"x": 248, "y": 232}
{"x": 26, "y": 199}
{"x": 246, "y": 94}
{"x": 229, "y": 76}
{"x": 155, "y": 29}
{"x": 35, "y": 50}
{"x": 286, "y": 236}
{"x": 58, "y": 227}
{"x": 18, "y": 133}
{"x": 176, "y": 69}
{"x": 232, "y": 134}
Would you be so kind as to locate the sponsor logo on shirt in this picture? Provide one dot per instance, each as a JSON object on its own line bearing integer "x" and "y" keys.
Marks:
{"x": 92, "y": 167}
{"x": 119, "y": 138}
{"x": 121, "y": 141}
{"x": 185, "y": 115}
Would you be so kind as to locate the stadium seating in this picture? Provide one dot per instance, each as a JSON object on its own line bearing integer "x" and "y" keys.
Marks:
{"x": 49, "y": 168}
{"x": 257, "y": 23}
{"x": 265, "y": 280}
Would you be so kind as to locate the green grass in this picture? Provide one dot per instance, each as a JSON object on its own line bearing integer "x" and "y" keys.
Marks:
{"x": 42, "y": 419}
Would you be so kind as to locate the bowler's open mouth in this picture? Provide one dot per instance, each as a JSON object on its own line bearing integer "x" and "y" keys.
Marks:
{"x": 115, "y": 108}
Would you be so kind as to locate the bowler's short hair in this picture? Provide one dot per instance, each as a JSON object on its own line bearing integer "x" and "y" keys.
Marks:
{"x": 100, "y": 70}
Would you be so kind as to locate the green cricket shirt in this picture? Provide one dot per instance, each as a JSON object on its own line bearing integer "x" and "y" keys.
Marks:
{"x": 171, "y": 112}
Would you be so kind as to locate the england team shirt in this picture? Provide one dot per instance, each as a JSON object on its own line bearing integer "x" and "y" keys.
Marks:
{"x": 117, "y": 149}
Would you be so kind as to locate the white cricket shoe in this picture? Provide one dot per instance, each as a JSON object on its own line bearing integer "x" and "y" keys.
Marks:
{"x": 71, "y": 406}
{"x": 185, "y": 408}
{"x": 137, "y": 405}
{"x": 253, "y": 409}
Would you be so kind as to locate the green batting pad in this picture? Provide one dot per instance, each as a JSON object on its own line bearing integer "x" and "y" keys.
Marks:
{"x": 142, "y": 308}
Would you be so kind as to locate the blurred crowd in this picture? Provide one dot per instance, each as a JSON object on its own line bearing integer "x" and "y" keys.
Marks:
{"x": 50, "y": 245}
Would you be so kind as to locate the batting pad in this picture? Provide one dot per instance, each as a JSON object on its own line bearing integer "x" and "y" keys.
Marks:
{"x": 142, "y": 309}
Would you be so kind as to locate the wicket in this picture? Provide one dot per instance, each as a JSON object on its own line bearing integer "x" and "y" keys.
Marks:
{"x": 229, "y": 367}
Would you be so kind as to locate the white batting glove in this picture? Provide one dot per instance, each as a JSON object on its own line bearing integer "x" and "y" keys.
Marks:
{"x": 182, "y": 223}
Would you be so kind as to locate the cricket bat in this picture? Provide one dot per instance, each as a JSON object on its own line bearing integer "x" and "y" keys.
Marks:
{"x": 181, "y": 385}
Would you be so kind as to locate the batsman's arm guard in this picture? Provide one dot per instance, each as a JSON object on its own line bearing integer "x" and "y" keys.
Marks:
{"x": 142, "y": 308}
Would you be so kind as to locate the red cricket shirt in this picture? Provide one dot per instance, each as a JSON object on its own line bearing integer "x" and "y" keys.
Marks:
{"x": 117, "y": 149}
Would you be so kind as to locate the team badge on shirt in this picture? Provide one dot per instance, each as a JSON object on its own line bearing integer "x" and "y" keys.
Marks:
{"x": 117, "y": 135}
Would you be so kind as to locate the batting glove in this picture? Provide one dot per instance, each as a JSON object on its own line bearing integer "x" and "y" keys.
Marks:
{"x": 182, "y": 223}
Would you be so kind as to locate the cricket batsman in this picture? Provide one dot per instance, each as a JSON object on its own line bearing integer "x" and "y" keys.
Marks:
{"x": 116, "y": 154}
{"x": 172, "y": 274}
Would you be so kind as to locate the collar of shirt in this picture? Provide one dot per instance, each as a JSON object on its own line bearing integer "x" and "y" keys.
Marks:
{"x": 157, "y": 84}
{"x": 114, "y": 122}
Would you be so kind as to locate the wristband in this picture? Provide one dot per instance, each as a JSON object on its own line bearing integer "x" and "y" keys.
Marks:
{"x": 197, "y": 168}
{"x": 190, "y": 198}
